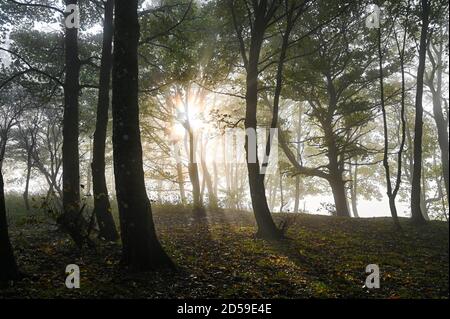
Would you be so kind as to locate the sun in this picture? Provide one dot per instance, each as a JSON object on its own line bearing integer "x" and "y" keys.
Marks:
{"x": 177, "y": 132}
{"x": 194, "y": 115}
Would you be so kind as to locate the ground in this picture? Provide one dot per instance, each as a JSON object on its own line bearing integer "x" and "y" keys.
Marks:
{"x": 322, "y": 257}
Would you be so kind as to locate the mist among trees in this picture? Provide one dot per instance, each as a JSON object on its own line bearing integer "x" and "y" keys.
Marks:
{"x": 224, "y": 148}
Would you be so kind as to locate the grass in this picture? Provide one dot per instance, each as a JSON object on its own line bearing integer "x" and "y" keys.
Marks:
{"x": 323, "y": 257}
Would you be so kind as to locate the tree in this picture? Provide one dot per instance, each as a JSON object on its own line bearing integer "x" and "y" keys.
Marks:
{"x": 334, "y": 80}
{"x": 102, "y": 207}
{"x": 70, "y": 151}
{"x": 260, "y": 20}
{"x": 184, "y": 38}
{"x": 71, "y": 219}
{"x": 12, "y": 105}
{"x": 8, "y": 266}
{"x": 416, "y": 211}
{"x": 433, "y": 79}
{"x": 141, "y": 248}
{"x": 26, "y": 138}
{"x": 392, "y": 192}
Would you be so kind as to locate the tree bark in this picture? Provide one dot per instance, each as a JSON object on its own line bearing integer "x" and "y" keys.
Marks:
{"x": 416, "y": 211}
{"x": 266, "y": 225}
{"x": 27, "y": 183}
{"x": 198, "y": 209}
{"x": 340, "y": 199}
{"x": 335, "y": 178}
{"x": 281, "y": 193}
{"x": 389, "y": 192}
{"x": 297, "y": 194}
{"x": 102, "y": 206}
{"x": 262, "y": 15}
{"x": 354, "y": 191}
{"x": 8, "y": 266}
{"x": 297, "y": 178}
{"x": 438, "y": 115}
{"x": 141, "y": 248}
{"x": 71, "y": 219}
{"x": 180, "y": 176}
{"x": 212, "y": 199}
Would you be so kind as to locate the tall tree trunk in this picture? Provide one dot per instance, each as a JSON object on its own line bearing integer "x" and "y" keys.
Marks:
{"x": 102, "y": 206}
{"x": 263, "y": 13}
{"x": 416, "y": 212}
{"x": 226, "y": 173}
{"x": 141, "y": 248}
{"x": 443, "y": 143}
{"x": 297, "y": 194}
{"x": 438, "y": 115}
{"x": 198, "y": 209}
{"x": 70, "y": 219}
{"x": 266, "y": 225}
{"x": 335, "y": 164}
{"x": 27, "y": 183}
{"x": 159, "y": 188}
{"x": 297, "y": 177}
{"x": 8, "y": 266}
{"x": 180, "y": 176}
{"x": 234, "y": 169}
{"x": 190, "y": 143}
{"x": 389, "y": 192}
{"x": 423, "y": 198}
{"x": 216, "y": 179}
{"x": 273, "y": 190}
{"x": 209, "y": 184}
{"x": 354, "y": 190}
{"x": 281, "y": 193}
{"x": 88, "y": 187}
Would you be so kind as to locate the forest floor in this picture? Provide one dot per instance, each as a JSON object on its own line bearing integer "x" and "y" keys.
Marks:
{"x": 322, "y": 257}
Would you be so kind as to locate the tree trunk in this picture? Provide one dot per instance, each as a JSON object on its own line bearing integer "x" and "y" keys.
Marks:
{"x": 71, "y": 219}
{"x": 180, "y": 179}
{"x": 216, "y": 180}
{"x": 297, "y": 193}
{"x": 281, "y": 193}
{"x": 212, "y": 199}
{"x": 297, "y": 177}
{"x": 423, "y": 198}
{"x": 102, "y": 206}
{"x": 335, "y": 163}
{"x": 443, "y": 143}
{"x": 389, "y": 192}
{"x": 8, "y": 266}
{"x": 266, "y": 225}
{"x": 335, "y": 179}
{"x": 340, "y": 199}
{"x": 226, "y": 166}
{"x": 438, "y": 115}
{"x": 27, "y": 183}
{"x": 354, "y": 191}
{"x": 141, "y": 248}
{"x": 88, "y": 186}
{"x": 416, "y": 212}
{"x": 198, "y": 209}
